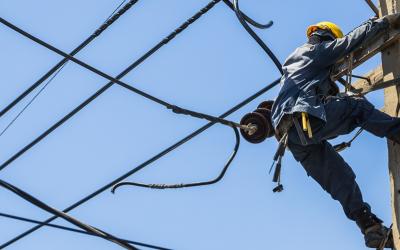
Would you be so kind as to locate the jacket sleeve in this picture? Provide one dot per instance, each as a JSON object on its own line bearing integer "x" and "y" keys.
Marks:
{"x": 330, "y": 52}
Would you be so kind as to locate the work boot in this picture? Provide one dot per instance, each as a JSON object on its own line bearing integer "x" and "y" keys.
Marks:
{"x": 375, "y": 233}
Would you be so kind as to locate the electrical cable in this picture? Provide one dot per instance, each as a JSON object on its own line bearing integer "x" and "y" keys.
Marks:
{"x": 158, "y": 46}
{"x": 188, "y": 185}
{"x": 174, "y": 108}
{"x": 248, "y": 19}
{"x": 30, "y": 102}
{"x": 7, "y": 127}
{"x": 148, "y": 162}
{"x": 259, "y": 41}
{"x": 70, "y": 229}
{"x": 24, "y": 195}
{"x": 110, "y": 20}
{"x": 166, "y": 40}
{"x": 99, "y": 92}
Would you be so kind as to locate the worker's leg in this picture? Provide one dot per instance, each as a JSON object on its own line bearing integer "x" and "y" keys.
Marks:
{"x": 336, "y": 177}
{"x": 345, "y": 114}
{"x": 329, "y": 169}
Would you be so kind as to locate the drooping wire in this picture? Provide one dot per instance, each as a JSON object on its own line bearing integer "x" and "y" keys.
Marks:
{"x": 99, "y": 92}
{"x": 147, "y": 162}
{"x": 24, "y": 195}
{"x": 174, "y": 108}
{"x": 158, "y": 46}
{"x": 70, "y": 229}
{"x": 116, "y": 14}
{"x": 259, "y": 41}
{"x": 248, "y": 19}
{"x": 156, "y": 157}
{"x": 188, "y": 185}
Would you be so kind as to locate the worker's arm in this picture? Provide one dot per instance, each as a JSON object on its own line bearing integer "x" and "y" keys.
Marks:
{"x": 330, "y": 52}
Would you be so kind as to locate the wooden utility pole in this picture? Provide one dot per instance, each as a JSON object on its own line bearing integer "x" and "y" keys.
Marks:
{"x": 391, "y": 70}
{"x": 389, "y": 45}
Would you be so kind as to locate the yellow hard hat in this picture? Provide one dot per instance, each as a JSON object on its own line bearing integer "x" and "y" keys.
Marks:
{"x": 333, "y": 28}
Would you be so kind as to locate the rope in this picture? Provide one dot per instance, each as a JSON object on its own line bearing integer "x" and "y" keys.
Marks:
{"x": 195, "y": 184}
{"x": 97, "y": 33}
{"x": 65, "y": 216}
{"x": 14, "y": 217}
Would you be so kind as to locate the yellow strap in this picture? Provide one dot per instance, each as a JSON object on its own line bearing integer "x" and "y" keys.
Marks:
{"x": 304, "y": 120}
{"x": 310, "y": 134}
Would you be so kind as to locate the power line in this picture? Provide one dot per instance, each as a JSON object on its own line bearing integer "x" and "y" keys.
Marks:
{"x": 165, "y": 41}
{"x": 181, "y": 142}
{"x": 30, "y": 102}
{"x": 24, "y": 195}
{"x": 19, "y": 218}
{"x": 95, "y": 34}
{"x": 158, "y": 46}
{"x": 8, "y": 126}
{"x": 148, "y": 162}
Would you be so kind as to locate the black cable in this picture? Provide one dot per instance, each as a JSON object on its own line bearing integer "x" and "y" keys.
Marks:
{"x": 174, "y": 108}
{"x": 248, "y": 19}
{"x": 19, "y": 218}
{"x": 7, "y": 127}
{"x": 30, "y": 102}
{"x": 148, "y": 162}
{"x": 195, "y": 184}
{"x": 140, "y": 60}
{"x": 100, "y": 30}
{"x": 24, "y": 195}
{"x": 81, "y": 63}
{"x": 267, "y": 50}
{"x": 163, "y": 42}
{"x": 158, "y": 46}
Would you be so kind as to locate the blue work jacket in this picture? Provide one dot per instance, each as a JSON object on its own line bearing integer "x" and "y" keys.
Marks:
{"x": 307, "y": 72}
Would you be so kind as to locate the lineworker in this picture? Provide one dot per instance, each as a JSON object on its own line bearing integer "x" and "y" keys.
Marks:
{"x": 308, "y": 96}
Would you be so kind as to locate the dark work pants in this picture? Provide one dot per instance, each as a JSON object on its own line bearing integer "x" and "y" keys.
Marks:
{"x": 323, "y": 163}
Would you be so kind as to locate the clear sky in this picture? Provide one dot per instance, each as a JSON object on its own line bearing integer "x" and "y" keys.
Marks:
{"x": 209, "y": 68}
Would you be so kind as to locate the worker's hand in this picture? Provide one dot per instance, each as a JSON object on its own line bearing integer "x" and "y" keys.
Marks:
{"x": 394, "y": 20}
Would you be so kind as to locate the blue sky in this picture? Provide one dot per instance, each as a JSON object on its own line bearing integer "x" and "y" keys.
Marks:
{"x": 209, "y": 68}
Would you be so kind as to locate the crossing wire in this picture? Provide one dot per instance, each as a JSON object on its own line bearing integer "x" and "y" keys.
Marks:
{"x": 30, "y": 102}
{"x": 165, "y": 151}
{"x": 24, "y": 195}
{"x": 110, "y": 20}
{"x": 41, "y": 90}
{"x": 158, "y": 46}
{"x": 148, "y": 162}
{"x": 24, "y": 219}
{"x": 99, "y": 92}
